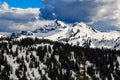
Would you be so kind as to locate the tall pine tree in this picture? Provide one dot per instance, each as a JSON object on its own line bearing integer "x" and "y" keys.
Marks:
{"x": 83, "y": 71}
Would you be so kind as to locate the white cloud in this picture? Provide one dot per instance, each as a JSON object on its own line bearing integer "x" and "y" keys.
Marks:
{"x": 108, "y": 14}
{"x": 32, "y": 25}
{"x": 12, "y": 18}
{"x": 5, "y": 6}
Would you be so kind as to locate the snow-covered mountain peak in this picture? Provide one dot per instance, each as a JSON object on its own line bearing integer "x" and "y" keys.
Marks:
{"x": 79, "y": 34}
{"x": 59, "y": 23}
{"x": 53, "y": 26}
{"x": 84, "y": 28}
{"x": 80, "y": 24}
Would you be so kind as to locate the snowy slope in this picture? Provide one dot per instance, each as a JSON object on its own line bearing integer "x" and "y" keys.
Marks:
{"x": 78, "y": 34}
{"x": 4, "y": 34}
{"x": 48, "y": 60}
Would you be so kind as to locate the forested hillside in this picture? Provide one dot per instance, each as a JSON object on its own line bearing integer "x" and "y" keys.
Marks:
{"x": 41, "y": 59}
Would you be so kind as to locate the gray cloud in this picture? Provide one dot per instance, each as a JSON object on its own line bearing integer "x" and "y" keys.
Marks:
{"x": 69, "y": 10}
{"x": 17, "y": 17}
{"x": 97, "y": 13}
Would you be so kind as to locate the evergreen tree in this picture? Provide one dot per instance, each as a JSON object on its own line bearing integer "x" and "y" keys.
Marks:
{"x": 83, "y": 71}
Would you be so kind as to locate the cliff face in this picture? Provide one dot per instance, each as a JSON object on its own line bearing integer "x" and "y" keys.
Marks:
{"x": 38, "y": 59}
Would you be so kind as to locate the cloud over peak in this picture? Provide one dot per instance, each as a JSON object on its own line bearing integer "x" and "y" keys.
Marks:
{"x": 98, "y": 12}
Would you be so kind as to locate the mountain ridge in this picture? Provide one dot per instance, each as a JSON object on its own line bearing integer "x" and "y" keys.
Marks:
{"x": 78, "y": 34}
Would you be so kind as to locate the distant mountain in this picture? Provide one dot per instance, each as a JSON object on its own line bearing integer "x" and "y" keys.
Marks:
{"x": 78, "y": 34}
{"x": 21, "y": 33}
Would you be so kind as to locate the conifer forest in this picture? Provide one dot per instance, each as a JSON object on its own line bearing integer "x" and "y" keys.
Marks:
{"x": 42, "y": 59}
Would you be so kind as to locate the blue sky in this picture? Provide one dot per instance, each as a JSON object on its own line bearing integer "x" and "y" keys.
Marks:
{"x": 103, "y": 15}
{"x": 24, "y": 3}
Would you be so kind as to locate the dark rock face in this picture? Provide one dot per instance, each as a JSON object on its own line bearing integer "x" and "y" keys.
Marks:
{"x": 48, "y": 60}
{"x": 17, "y": 35}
